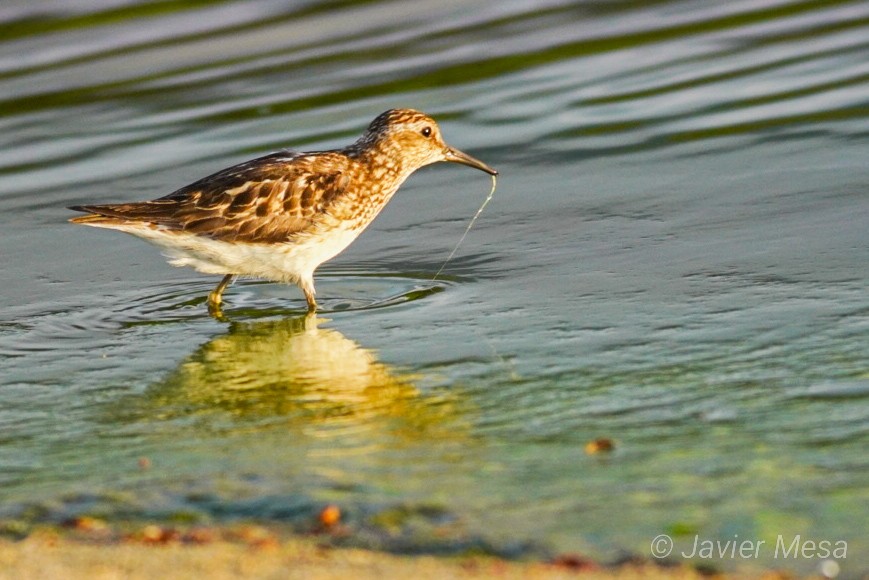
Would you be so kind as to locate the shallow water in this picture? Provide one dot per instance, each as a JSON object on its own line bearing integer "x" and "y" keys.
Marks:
{"x": 675, "y": 258}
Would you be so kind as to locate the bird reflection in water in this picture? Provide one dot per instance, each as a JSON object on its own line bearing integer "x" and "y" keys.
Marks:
{"x": 309, "y": 378}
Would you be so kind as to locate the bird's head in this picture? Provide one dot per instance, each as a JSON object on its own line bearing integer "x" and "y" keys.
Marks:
{"x": 416, "y": 139}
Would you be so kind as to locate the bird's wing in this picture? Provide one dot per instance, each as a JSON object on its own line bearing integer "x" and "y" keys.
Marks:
{"x": 268, "y": 199}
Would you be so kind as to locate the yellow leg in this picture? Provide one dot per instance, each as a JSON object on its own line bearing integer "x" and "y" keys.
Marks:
{"x": 215, "y": 297}
{"x": 307, "y": 286}
{"x": 312, "y": 304}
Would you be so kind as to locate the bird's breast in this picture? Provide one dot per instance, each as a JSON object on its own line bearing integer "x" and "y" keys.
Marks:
{"x": 363, "y": 203}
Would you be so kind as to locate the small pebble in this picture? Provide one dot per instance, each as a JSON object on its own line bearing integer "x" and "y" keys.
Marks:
{"x": 330, "y": 515}
{"x": 600, "y": 445}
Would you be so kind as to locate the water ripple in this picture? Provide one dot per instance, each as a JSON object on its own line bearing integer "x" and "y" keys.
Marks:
{"x": 675, "y": 259}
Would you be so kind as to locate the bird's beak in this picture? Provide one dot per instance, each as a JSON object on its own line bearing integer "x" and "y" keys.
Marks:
{"x": 456, "y": 156}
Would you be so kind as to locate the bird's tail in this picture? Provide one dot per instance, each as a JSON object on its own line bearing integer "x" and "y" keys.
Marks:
{"x": 94, "y": 216}
{"x": 117, "y": 214}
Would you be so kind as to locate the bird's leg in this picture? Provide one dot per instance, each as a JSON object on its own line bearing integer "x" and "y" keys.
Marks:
{"x": 214, "y": 298}
{"x": 307, "y": 286}
{"x": 309, "y": 296}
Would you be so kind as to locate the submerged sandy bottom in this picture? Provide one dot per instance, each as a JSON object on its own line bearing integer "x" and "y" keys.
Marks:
{"x": 256, "y": 553}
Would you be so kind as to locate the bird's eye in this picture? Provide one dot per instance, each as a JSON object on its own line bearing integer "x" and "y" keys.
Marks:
{"x": 426, "y": 132}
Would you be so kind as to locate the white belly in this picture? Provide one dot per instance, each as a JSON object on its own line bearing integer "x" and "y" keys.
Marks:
{"x": 285, "y": 262}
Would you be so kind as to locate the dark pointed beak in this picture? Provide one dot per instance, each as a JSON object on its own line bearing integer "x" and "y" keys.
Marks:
{"x": 456, "y": 156}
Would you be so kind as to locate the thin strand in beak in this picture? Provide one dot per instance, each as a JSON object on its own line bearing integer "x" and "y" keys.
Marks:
{"x": 470, "y": 225}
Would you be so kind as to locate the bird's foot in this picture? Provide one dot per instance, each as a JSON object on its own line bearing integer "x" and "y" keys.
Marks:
{"x": 216, "y": 311}
{"x": 215, "y": 308}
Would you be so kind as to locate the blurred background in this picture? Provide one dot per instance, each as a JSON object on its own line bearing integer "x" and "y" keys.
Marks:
{"x": 675, "y": 258}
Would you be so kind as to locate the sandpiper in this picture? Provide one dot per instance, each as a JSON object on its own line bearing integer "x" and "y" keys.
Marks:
{"x": 280, "y": 216}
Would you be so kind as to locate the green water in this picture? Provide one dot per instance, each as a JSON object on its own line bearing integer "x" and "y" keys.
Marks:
{"x": 675, "y": 258}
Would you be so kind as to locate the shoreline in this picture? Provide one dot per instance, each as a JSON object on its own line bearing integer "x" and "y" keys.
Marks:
{"x": 91, "y": 549}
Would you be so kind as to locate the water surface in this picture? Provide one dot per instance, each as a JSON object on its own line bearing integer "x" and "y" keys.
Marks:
{"x": 675, "y": 258}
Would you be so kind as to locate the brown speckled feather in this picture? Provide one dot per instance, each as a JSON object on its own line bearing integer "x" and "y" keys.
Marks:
{"x": 264, "y": 200}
